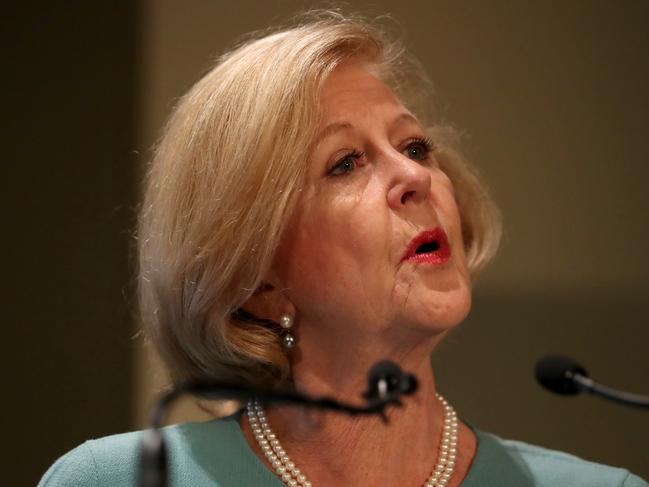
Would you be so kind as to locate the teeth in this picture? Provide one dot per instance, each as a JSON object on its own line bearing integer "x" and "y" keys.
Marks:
{"x": 427, "y": 247}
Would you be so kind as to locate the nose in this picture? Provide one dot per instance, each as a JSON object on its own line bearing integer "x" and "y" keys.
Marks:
{"x": 410, "y": 183}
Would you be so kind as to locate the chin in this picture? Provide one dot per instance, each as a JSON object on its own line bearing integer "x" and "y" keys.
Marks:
{"x": 455, "y": 314}
{"x": 441, "y": 314}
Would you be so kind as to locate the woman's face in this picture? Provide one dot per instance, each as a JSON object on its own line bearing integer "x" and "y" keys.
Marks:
{"x": 375, "y": 244}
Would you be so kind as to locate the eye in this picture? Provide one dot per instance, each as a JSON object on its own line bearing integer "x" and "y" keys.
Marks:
{"x": 345, "y": 165}
{"x": 419, "y": 149}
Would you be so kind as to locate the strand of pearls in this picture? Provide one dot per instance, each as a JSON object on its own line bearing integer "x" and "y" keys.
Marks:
{"x": 271, "y": 447}
{"x": 447, "y": 448}
{"x": 293, "y": 477}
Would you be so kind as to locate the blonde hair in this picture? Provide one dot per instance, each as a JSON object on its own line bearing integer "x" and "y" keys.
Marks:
{"x": 222, "y": 185}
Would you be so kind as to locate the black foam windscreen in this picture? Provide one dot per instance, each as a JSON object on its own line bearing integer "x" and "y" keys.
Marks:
{"x": 556, "y": 372}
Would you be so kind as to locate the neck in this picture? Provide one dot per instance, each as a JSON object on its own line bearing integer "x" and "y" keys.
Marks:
{"x": 335, "y": 449}
{"x": 338, "y": 367}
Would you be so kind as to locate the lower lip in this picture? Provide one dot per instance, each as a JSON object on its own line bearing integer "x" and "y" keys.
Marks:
{"x": 437, "y": 257}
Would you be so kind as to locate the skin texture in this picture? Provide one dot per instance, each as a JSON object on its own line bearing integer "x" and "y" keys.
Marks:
{"x": 339, "y": 272}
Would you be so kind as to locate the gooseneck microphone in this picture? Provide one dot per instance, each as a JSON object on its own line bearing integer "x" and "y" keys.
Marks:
{"x": 386, "y": 384}
{"x": 562, "y": 375}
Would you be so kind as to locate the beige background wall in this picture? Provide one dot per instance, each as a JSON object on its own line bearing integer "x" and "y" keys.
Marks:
{"x": 553, "y": 100}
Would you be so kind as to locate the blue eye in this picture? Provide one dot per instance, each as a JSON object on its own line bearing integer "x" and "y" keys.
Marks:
{"x": 345, "y": 165}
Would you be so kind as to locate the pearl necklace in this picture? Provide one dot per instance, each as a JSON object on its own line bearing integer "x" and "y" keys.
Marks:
{"x": 293, "y": 477}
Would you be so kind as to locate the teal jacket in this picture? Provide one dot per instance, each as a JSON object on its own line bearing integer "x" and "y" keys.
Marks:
{"x": 216, "y": 454}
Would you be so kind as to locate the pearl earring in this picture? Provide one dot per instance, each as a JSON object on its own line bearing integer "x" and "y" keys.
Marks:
{"x": 286, "y": 322}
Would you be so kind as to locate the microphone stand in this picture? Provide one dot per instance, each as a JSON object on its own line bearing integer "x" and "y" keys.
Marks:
{"x": 387, "y": 383}
{"x": 587, "y": 384}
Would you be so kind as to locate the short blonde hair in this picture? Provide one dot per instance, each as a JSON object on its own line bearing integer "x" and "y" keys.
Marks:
{"x": 221, "y": 186}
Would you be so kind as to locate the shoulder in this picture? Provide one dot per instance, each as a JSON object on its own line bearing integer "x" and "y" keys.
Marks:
{"x": 113, "y": 460}
{"x": 555, "y": 468}
{"x": 88, "y": 464}
{"x": 74, "y": 469}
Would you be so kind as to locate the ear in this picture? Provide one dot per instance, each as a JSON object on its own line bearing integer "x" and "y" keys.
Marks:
{"x": 269, "y": 302}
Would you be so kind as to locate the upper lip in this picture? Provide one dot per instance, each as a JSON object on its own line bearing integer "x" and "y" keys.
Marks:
{"x": 436, "y": 235}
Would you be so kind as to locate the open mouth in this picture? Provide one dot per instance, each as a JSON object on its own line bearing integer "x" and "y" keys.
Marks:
{"x": 430, "y": 247}
{"x": 427, "y": 247}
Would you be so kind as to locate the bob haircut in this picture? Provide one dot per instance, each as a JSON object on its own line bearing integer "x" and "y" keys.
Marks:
{"x": 221, "y": 187}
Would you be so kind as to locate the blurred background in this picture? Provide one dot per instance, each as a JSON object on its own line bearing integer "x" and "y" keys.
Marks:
{"x": 552, "y": 99}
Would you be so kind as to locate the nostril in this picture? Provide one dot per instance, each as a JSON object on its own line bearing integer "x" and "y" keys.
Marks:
{"x": 406, "y": 196}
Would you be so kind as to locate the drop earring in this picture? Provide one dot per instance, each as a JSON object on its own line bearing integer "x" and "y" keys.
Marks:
{"x": 286, "y": 322}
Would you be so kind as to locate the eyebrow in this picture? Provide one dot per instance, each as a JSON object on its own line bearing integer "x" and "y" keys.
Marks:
{"x": 334, "y": 127}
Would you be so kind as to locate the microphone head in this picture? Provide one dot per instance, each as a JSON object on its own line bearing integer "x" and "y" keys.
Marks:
{"x": 387, "y": 381}
{"x": 556, "y": 372}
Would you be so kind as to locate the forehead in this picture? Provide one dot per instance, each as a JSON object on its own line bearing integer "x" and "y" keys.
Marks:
{"x": 353, "y": 89}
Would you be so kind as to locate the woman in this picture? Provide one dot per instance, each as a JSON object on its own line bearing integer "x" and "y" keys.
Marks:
{"x": 301, "y": 222}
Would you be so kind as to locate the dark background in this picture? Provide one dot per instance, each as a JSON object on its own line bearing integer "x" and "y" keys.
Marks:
{"x": 69, "y": 138}
{"x": 554, "y": 105}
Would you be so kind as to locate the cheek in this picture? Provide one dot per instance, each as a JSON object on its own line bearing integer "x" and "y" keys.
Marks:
{"x": 451, "y": 221}
{"x": 330, "y": 252}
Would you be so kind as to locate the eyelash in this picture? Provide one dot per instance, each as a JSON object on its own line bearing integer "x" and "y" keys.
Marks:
{"x": 354, "y": 156}
{"x": 424, "y": 142}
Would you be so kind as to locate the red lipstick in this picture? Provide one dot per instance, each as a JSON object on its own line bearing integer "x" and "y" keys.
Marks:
{"x": 429, "y": 247}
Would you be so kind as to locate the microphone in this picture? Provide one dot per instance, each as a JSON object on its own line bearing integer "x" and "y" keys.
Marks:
{"x": 386, "y": 384}
{"x": 562, "y": 375}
